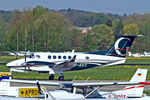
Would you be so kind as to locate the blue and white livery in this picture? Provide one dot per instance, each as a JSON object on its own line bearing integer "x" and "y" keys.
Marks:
{"x": 64, "y": 61}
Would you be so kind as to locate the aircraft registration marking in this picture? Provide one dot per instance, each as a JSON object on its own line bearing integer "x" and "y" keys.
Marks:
{"x": 29, "y": 92}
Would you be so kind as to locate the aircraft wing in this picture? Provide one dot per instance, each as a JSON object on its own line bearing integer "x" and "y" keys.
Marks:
{"x": 67, "y": 65}
{"x": 32, "y": 82}
{"x": 70, "y": 84}
{"x": 104, "y": 84}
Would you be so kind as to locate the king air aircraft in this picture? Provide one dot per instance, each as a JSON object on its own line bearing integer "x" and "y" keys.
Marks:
{"x": 52, "y": 63}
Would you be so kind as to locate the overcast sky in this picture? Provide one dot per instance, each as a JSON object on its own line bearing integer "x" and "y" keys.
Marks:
{"x": 107, "y": 6}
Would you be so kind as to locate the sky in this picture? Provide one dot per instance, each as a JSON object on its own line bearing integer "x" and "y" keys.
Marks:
{"x": 106, "y": 6}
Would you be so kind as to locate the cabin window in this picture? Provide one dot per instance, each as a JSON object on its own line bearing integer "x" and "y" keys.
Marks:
{"x": 49, "y": 57}
{"x": 38, "y": 56}
{"x": 59, "y": 57}
{"x": 64, "y": 57}
{"x": 87, "y": 57}
{"x": 31, "y": 56}
{"x": 69, "y": 57}
{"x": 54, "y": 57}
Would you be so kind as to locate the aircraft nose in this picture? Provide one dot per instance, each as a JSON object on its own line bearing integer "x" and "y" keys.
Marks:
{"x": 10, "y": 64}
{"x": 14, "y": 63}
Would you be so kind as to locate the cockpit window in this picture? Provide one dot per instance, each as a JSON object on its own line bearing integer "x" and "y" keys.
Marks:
{"x": 38, "y": 56}
{"x": 31, "y": 56}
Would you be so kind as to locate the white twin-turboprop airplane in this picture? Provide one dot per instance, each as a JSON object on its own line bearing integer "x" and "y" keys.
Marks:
{"x": 48, "y": 62}
{"x": 90, "y": 90}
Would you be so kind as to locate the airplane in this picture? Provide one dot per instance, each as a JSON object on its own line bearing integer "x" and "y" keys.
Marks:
{"x": 135, "y": 55}
{"x": 52, "y": 63}
{"x": 133, "y": 91}
{"x": 147, "y": 54}
{"x": 90, "y": 90}
{"x": 20, "y": 53}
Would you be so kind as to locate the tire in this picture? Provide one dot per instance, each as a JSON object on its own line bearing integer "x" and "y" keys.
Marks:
{"x": 51, "y": 77}
{"x": 61, "y": 78}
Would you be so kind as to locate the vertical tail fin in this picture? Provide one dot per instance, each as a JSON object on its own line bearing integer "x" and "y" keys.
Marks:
{"x": 121, "y": 45}
{"x": 139, "y": 76}
{"x": 135, "y": 90}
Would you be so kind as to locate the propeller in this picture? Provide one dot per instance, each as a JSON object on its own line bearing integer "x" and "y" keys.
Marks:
{"x": 25, "y": 58}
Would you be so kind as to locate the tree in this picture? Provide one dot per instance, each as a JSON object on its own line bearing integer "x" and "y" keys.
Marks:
{"x": 101, "y": 36}
{"x": 131, "y": 29}
{"x": 109, "y": 23}
{"x": 41, "y": 30}
{"x": 117, "y": 27}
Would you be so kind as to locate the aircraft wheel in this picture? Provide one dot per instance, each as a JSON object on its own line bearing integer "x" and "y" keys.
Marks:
{"x": 61, "y": 78}
{"x": 51, "y": 77}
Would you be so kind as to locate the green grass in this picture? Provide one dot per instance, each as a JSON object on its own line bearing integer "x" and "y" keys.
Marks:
{"x": 6, "y": 60}
{"x": 101, "y": 73}
{"x": 137, "y": 61}
{"x": 147, "y": 92}
{"x": 106, "y": 73}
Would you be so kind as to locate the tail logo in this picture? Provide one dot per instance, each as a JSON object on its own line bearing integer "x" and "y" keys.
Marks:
{"x": 120, "y": 50}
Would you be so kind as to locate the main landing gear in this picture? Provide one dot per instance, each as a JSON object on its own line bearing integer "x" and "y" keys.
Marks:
{"x": 61, "y": 78}
{"x": 51, "y": 77}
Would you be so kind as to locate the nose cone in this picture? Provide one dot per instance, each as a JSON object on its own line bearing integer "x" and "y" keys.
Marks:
{"x": 15, "y": 63}
{"x": 9, "y": 64}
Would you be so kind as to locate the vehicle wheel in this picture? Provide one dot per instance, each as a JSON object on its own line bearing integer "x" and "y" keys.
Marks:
{"x": 10, "y": 77}
{"x": 51, "y": 77}
{"x": 61, "y": 78}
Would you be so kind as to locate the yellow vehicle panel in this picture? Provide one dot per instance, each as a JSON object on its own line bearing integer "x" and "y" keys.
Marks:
{"x": 4, "y": 74}
{"x": 29, "y": 92}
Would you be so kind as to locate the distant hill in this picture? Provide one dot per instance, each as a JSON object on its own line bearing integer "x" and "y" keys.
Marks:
{"x": 5, "y": 16}
{"x": 78, "y": 18}
{"x": 82, "y": 18}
